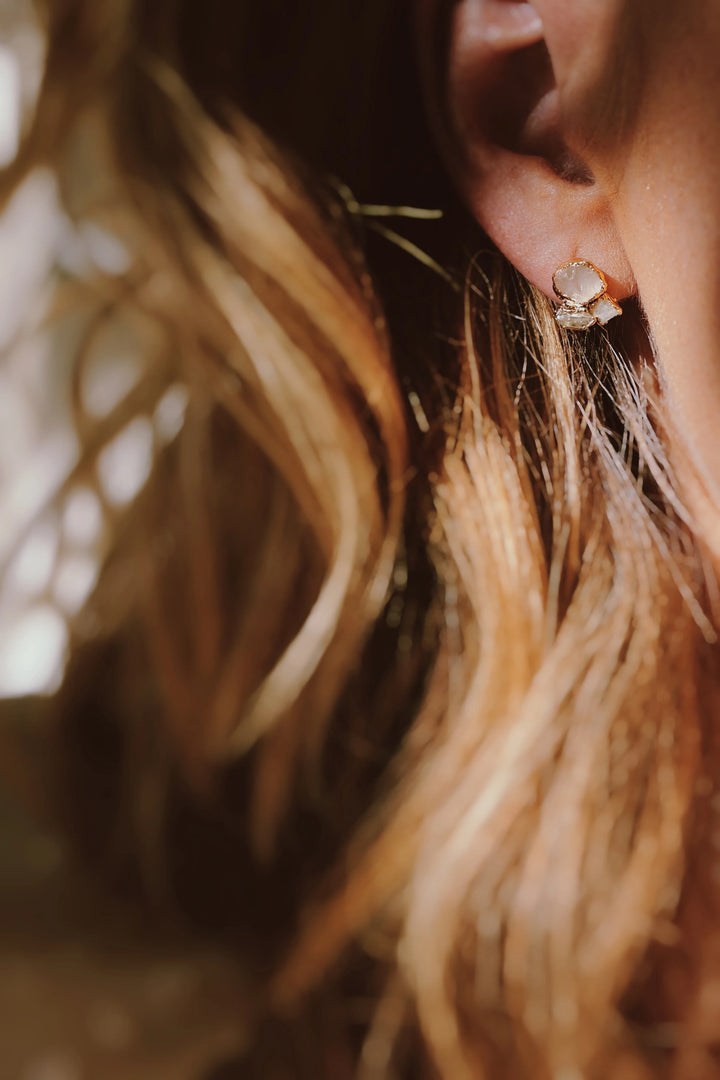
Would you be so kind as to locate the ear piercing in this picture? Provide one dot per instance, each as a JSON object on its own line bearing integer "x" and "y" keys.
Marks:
{"x": 582, "y": 288}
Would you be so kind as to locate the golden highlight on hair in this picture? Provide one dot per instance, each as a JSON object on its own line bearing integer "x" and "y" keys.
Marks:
{"x": 511, "y": 867}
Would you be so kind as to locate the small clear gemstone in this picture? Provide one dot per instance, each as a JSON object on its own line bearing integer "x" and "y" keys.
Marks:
{"x": 605, "y": 309}
{"x": 579, "y": 281}
{"x": 574, "y": 318}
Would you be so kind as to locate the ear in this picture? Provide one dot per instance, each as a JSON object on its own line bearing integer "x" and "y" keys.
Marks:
{"x": 496, "y": 109}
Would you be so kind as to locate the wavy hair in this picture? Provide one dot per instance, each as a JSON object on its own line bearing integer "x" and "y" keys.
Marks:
{"x": 418, "y": 627}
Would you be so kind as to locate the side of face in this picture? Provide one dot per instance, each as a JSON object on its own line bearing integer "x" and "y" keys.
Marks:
{"x": 591, "y": 129}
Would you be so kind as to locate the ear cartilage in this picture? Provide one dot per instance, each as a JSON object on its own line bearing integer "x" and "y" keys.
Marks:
{"x": 582, "y": 288}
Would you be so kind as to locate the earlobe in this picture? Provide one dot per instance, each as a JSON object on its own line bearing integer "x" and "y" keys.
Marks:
{"x": 498, "y": 116}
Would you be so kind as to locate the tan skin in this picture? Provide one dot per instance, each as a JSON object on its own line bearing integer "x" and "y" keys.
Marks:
{"x": 610, "y": 151}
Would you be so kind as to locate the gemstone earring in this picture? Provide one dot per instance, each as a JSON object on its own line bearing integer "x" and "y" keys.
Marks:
{"x": 582, "y": 288}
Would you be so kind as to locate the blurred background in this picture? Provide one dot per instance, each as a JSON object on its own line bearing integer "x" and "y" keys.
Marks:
{"x": 87, "y": 992}
{"x": 91, "y": 988}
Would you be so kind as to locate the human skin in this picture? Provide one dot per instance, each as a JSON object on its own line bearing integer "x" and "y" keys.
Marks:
{"x": 627, "y": 92}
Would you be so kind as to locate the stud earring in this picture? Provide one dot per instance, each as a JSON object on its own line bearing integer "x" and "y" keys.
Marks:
{"x": 582, "y": 288}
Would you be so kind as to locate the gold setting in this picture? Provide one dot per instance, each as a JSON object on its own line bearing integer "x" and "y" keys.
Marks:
{"x": 582, "y": 289}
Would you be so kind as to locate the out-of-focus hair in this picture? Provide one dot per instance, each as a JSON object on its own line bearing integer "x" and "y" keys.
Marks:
{"x": 450, "y": 633}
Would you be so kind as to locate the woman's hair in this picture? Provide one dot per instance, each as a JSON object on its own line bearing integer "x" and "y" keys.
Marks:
{"x": 394, "y": 672}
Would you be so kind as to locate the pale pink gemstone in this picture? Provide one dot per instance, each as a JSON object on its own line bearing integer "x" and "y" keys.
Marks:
{"x": 605, "y": 309}
{"x": 574, "y": 319}
{"x": 579, "y": 281}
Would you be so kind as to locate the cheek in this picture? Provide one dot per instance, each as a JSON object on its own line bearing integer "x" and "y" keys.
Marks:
{"x": 675, "y": 156}
{"x": 668, "y": 210}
